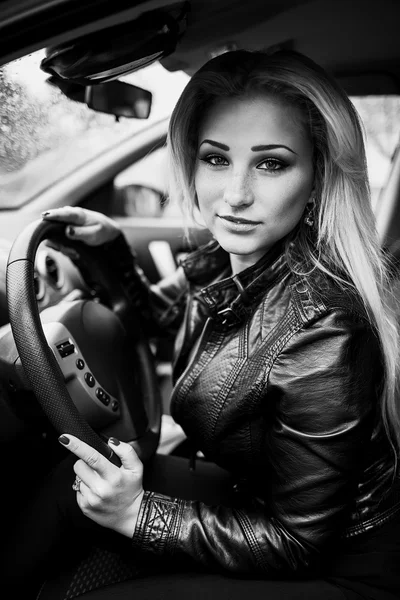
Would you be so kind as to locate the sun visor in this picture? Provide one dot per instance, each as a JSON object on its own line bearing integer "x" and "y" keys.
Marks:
{"x": 116, "y": 51}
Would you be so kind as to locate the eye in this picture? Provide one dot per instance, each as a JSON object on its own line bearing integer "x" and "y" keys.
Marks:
{"x": 216, "y": 160}
{"x": 271, "y": 164}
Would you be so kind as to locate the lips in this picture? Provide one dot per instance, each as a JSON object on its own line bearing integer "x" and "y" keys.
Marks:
{"x": 237, "y": 225}
{"x": 238, "y": 220}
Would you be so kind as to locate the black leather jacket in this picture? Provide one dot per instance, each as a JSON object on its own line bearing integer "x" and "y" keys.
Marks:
{"x": 283, "y": 392}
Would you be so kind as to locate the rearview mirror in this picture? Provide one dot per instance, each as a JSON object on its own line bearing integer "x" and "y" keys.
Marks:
{"x": 119, "y": 99}
{"x": 114, "y": 97}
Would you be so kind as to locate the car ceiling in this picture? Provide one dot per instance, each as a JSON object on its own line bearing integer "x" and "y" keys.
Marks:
{"x": 347, "y": 38}
{"x": 344, "y": 36}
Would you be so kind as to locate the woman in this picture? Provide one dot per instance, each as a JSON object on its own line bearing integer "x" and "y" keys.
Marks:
{"x": 286, "y": 351}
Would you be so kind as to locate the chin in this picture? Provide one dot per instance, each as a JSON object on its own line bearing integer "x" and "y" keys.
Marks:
{"x": 252, "y": 254}
{"x": 237, "y": 244}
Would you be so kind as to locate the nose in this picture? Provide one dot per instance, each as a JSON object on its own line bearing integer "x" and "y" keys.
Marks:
{"x": 238, "y": 191}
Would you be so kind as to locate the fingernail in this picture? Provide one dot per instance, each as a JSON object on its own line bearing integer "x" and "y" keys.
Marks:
{"x": 45, "y": 214}
{"x": 114, "y": 441}
{"x": 70, "y": 230}
{"x": 63, "y": 440}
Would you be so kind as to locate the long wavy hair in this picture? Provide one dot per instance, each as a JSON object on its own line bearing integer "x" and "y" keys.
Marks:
{"x": 344, "y": 244}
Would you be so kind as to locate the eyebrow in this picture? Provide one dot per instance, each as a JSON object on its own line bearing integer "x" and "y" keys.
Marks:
{"x": 260, "y": 148}
{"x": 216, "y": 144}
{"x": 271, "y": 147}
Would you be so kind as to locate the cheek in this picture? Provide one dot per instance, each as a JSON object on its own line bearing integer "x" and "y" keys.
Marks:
{"x": 205, "y": 192}
{"x": 292, "y": 198}
{"x": 205, "y": 207}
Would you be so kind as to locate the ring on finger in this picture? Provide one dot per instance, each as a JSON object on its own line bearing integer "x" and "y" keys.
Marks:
{"x": 76, "y": 486}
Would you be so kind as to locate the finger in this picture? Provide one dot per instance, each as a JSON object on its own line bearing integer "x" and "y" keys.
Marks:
{"x": 86, "y": 474}
{"x": 67, "y": 214}
{"x": 127, "y": 454}
{"x": 83, "y": 489}
{"x": 82, "y": 495}
{"x": 53, "y": 245}
{"x": 90, "y": 234}
{"x": 89, "y": 455}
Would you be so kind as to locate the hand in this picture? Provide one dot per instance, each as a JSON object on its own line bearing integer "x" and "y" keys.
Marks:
{"x": 109, "y": 495}
{"x": 84, "y": 225}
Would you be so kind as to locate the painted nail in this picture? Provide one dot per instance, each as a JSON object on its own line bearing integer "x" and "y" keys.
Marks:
{"x": 63, "y": 440}
{"x": 70, "y": 230}
{"x": 46, "y": 213}
{"x": 114, "y": 441}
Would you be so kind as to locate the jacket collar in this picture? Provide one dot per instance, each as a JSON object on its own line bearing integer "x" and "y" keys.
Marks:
{"x": 229, "y": 299}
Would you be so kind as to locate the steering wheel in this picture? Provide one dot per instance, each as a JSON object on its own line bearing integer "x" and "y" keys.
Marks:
{"x": 88, "y": 362}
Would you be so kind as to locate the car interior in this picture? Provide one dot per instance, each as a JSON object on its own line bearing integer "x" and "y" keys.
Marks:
{"x": 87, "y": 51}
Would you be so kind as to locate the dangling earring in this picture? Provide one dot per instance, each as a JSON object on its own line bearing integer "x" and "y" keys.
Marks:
{"x": 309, "y": 218}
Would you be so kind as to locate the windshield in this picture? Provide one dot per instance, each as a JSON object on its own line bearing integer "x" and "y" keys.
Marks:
{"x": 44, "y": 135}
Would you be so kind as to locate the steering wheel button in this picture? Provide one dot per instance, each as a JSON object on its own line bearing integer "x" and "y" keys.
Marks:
{"x": 80, "y": 364}
{"x": 89, "y": 379}
{"x": 65, "y": 348}
{"x": 103, "y": 396}
{"x": 114, "y": 405}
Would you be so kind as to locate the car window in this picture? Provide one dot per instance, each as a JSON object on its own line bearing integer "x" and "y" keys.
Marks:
{"x": 44, "y": 135}
{"x": 381, "y": 119}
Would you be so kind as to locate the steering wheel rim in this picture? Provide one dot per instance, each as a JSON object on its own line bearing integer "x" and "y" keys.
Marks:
{"x": 37, "y": 358}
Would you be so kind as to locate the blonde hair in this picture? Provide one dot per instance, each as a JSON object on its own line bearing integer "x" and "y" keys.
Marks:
{"x": 345, "y": 245}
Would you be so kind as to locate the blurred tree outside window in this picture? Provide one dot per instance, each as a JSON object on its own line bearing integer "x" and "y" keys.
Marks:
{"x": 44, "y": 135}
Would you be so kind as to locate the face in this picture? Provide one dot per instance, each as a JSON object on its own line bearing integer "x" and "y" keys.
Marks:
{"x": 254, "y": 174}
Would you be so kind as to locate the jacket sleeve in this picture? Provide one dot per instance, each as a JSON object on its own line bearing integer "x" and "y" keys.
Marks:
{"x": 320, "y": 403}
{"x": 161, "y": 305}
